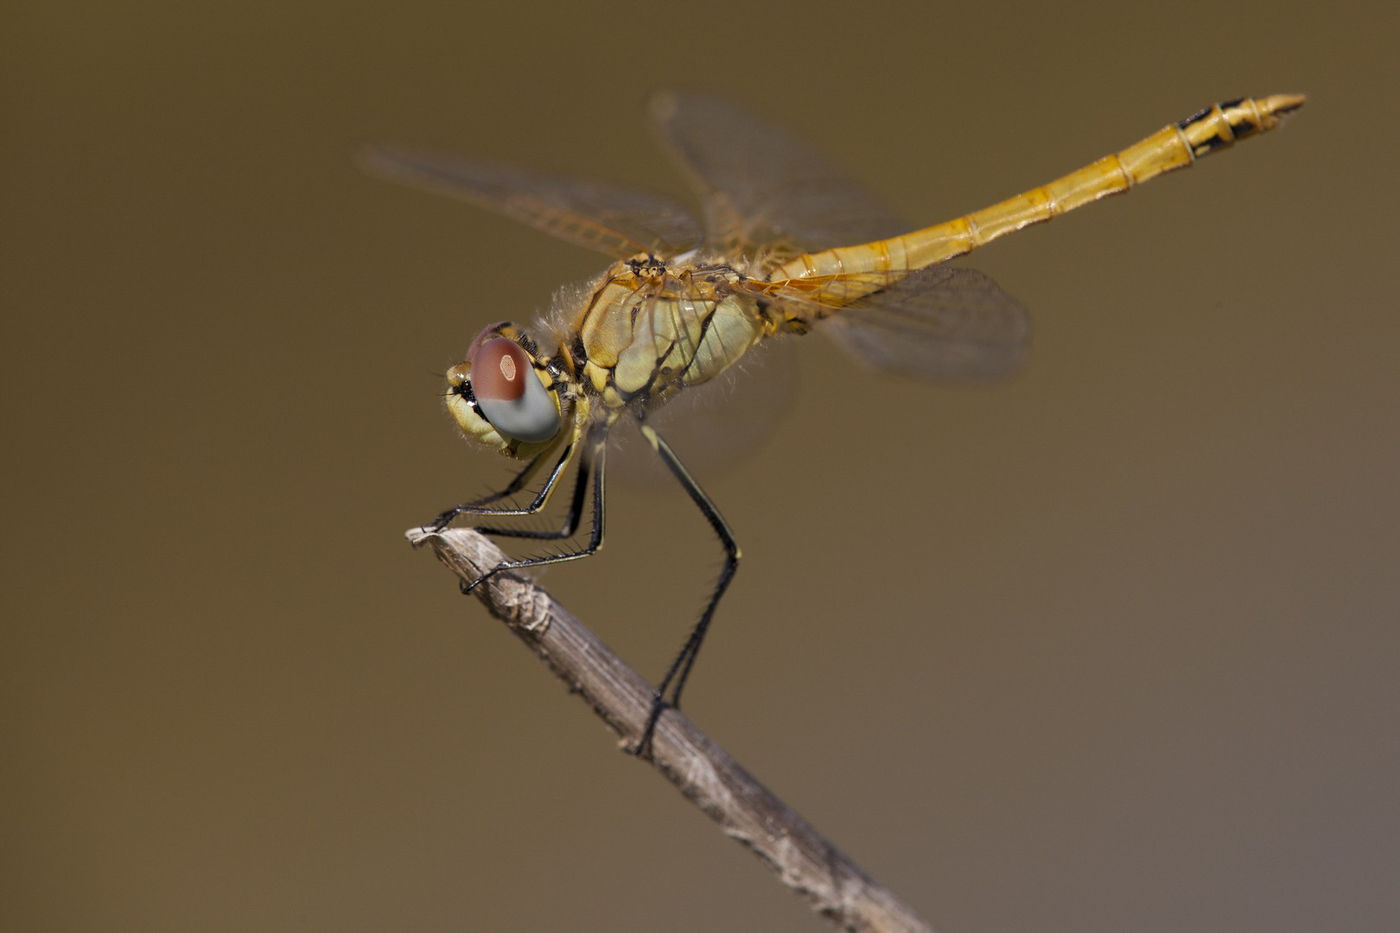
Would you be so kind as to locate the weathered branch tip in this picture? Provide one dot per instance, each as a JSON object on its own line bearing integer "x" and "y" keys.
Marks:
{"x": 805, "y": 861}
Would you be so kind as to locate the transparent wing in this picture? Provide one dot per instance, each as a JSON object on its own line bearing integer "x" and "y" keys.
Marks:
{"x": 759, "y": 184}
{"x": 612, "y": 219}
{"x": 718, "y": 424}
{"x": 936, "y": 323}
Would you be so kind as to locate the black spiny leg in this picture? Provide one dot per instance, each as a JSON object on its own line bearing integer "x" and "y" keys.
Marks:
{"x": 594, "y": 460}
{"x": 679, "y": 670}
{"x": 571, "y": 518}
{"x": 479, "y": 506}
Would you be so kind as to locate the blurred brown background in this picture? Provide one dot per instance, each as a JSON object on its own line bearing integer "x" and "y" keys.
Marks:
{"x": 1110, "y": 646}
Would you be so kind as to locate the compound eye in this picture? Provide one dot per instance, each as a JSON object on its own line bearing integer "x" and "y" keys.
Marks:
{"x": 487, "y": 333}
{"x": 510, "y": 394}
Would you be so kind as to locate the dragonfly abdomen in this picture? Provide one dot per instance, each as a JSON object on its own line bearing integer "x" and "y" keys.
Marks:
{"x": 1172, "y": 147}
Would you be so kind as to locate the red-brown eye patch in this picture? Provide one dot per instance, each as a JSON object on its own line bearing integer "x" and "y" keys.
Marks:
{"x": 499, "y": 370}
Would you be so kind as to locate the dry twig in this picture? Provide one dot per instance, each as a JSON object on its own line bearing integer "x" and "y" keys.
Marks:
{"x": 700, "y": 769}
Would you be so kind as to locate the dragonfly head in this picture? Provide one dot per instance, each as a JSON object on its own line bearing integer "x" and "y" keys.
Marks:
{"x": 503, "y": 395}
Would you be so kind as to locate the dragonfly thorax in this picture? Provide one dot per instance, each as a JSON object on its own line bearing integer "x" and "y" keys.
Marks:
{"x": 649, "y": 329}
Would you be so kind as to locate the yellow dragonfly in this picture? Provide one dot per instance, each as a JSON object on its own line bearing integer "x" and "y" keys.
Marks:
{"x": 785, "y": 243}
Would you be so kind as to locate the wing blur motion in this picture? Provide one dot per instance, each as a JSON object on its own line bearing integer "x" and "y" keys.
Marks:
{"x": 936, "y": 323}
{"x": 759, "y": 184}
{"x": 613, "y": 219}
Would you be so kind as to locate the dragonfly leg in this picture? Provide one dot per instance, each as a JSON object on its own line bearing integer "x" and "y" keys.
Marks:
{"x": 480, "y": 506}
{"x": 594, "y": 462}
{"x": 571, "y": 518}
{"x": 679, "y": 671}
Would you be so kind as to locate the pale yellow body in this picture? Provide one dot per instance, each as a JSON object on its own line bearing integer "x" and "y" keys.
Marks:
{"x": 651, "y": 328}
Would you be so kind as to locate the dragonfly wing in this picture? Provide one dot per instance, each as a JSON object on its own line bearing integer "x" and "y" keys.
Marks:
{"x": 721, "y": 423}
{"x": 760, "y": 184}
{"x": 936, "y": 323}
{"x": 612, "y": 219}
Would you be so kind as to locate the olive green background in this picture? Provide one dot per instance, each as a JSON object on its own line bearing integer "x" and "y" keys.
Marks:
{"x": 1110, "y": 646}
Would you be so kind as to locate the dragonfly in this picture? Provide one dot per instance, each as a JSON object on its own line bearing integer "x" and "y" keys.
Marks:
{"x": 785, "y": 243}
